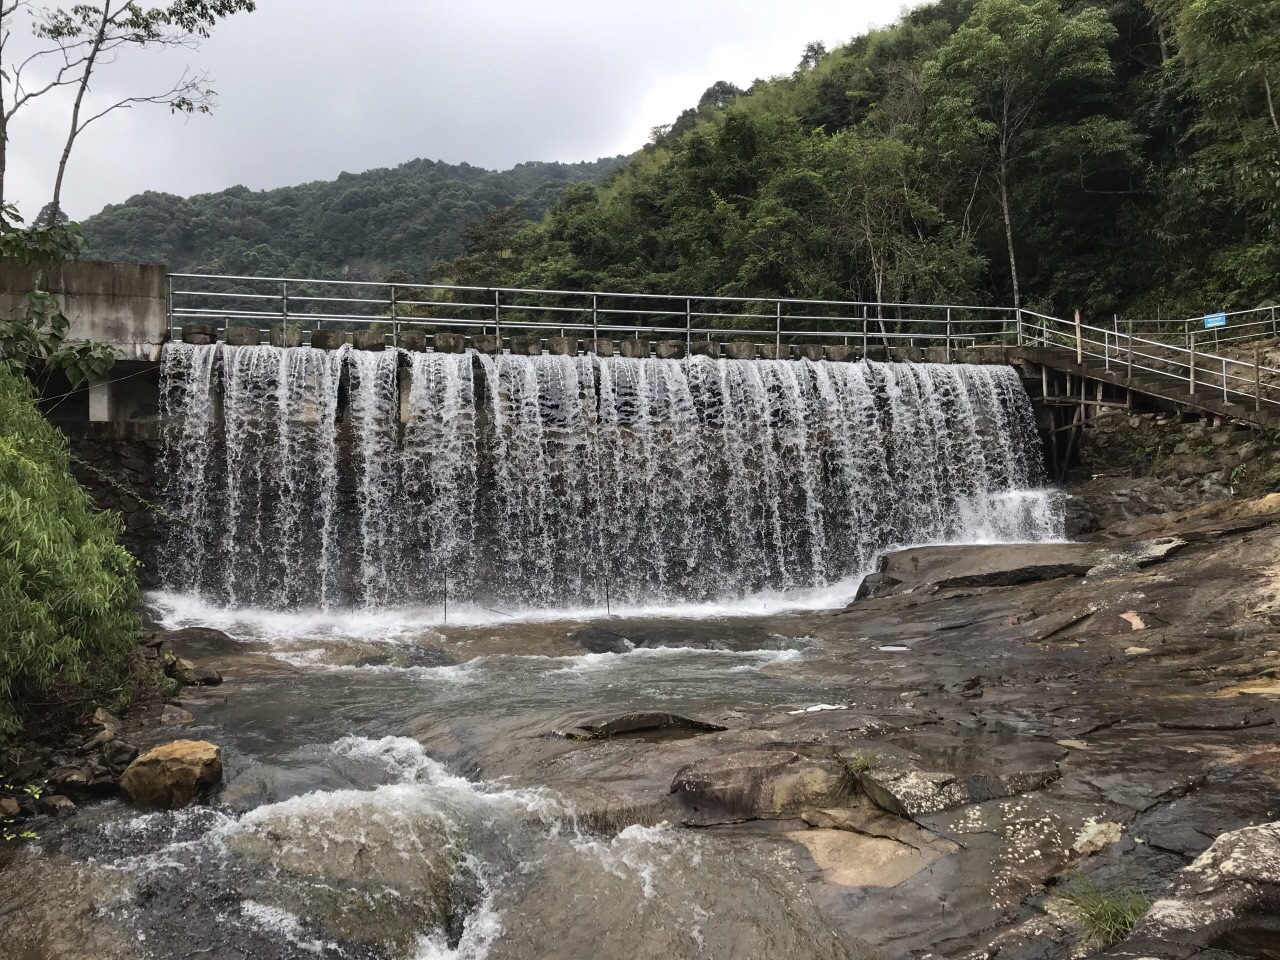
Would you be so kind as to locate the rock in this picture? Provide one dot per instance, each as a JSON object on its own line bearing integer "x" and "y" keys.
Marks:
{"x": 1096, "y": 837}
{"x": 1005, "y": 565}
{"x": 55, "y": 804}
{"x": 1228, "y": 899}
{"x": 98, "y": 740}
{"x": 757, "y": 784}
{"x": 851, "y": 859}
{"x": 169, "y": 776}
{"x": 394, "y": 836}
{"x": 285, "y": 336}
{"x": 1206, "y": 522}
{"x": 103, "y": 719}
{"x": 172, "y": 716}
{"x": 118, "y": 754}
{"x": 902, "y": 788}
{"x": 639, "y": 723}
{"x": 596, "y": 639}
{"x": 205, "y": 677}
{"x": 9, "y": 807}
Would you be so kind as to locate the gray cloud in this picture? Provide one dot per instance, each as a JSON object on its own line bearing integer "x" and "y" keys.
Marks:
{"x": 310, "y": 88}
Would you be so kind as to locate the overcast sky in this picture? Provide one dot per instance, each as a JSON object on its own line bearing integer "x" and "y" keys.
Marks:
{"x": 310, "y": 88}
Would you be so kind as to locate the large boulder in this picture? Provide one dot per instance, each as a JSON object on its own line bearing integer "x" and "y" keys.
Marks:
{"x": 169, "y": 776}
{"x": 1228, "y": 899}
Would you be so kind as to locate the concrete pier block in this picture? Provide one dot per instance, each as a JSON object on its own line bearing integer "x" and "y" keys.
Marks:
{"x": 449, "y": 343}
{"x": 639, "y": 349}
{"x": 199, "y": 334}
{"x": 601, "y": 347}
{"x": 704, "y": 348}
{"x": 526, "y": 345}
{"x": 237, "y": 336}
{"x": 487, "y": 343}
{"x": 413, "y": 339}
{"x": 285, "y": 336}
{"x": 669, "y": 349}
{"x": 102, "y": 402}
{"x": 328, "y": 339}
{"x": 774, "y": 351}
{"x": 562, "y": 346}
{"x": 739, "y": 350}
{"x": 806, "y": 351}
{"x": 838, "y": 352}
{"x": 369, "y": 340}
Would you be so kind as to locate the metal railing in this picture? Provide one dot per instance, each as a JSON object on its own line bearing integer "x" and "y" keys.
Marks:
{"x": 1257, "y": 323}
{"x": 1245, "y": 381}
{"x": 309, "y": 305}
{"x": 1176, "y": 353}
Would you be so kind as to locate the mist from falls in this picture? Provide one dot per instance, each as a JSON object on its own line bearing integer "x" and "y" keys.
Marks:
{"x": 305, "y": 478}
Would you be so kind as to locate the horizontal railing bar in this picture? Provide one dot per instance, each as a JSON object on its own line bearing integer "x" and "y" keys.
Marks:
{"x": 576, "y": 293}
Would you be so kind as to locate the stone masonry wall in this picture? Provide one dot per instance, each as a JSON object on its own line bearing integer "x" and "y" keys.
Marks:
{"x": 118, "y": 464}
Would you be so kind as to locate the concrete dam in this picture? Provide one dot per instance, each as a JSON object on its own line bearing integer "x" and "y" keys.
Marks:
{"x": 303, "y": 477}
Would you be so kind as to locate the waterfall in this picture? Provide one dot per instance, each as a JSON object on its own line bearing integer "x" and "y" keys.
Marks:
{"x": 305, "y": 477}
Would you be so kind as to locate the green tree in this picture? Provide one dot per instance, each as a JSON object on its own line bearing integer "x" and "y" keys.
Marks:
{"x": 75, "y": 43}
{"x": 992, "y": 80}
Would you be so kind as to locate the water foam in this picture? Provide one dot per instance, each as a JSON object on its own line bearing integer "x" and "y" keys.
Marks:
{"x": 560, "y": 483}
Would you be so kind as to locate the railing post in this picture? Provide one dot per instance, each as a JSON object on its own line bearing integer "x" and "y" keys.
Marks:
{"x": 1257, "y": 377}
{"x": 864, "y": 333}
{"x": 777, "y": 337}
{"x": 1018, "y": 321}
{"x": 595, "y": 317}
{"x": 688, "y": 325}
{"x": 1191, "y": 340}
{"x": 497, "y": 320}
{"x": 1273, "y": 321}
{"x": 1129, "y": 371}
{"x": 1106, "y": 350}
{"x": 284, "y": 303}
{"x": 1079, "y": 343}
{"x": 173, "y": 323}
{"x": 1224, "y": 379}
{"x": 948, "y": 334}
{"x": 395, "y": 319}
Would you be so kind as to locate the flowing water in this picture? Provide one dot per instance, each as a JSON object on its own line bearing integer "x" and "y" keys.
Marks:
{"x": 394, "y": 479}
{"x": 402, "y": 781}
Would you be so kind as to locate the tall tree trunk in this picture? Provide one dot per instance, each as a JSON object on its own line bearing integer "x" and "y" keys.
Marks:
{"x": 1008, "y": 231}
{"x": 1271, "y": 106}
{"x": 81, "y": 88}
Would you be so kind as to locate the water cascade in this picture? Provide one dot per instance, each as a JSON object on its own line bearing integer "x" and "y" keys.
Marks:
{"x": 351, "y": 478}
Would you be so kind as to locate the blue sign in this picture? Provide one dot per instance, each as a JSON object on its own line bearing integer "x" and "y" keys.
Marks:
{"x": 1215, "y": 320}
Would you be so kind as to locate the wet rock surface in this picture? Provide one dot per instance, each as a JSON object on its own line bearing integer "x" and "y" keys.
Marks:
{"x": 171, "y": 775}
{"x": 922, "y": 773}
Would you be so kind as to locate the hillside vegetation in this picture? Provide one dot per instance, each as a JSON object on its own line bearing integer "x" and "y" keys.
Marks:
{"x": 361, "y": 225}
{"x": 1120, "y": 157}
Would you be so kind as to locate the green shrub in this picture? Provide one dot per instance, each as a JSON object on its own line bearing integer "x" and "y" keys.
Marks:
{"x": 68, "y": 596}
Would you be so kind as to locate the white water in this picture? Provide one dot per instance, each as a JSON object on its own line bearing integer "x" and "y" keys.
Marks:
{"x": 514, "y": 486}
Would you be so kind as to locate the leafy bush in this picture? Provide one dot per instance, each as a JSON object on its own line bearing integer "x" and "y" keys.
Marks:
{"x": 68, "y": 597}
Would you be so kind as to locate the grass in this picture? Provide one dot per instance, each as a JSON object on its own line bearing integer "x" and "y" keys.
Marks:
{"x": 1107, "y": 916}
{"x": 854, "y": 763}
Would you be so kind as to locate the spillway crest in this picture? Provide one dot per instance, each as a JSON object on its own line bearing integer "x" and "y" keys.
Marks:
{"x": 300, "y": 477}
